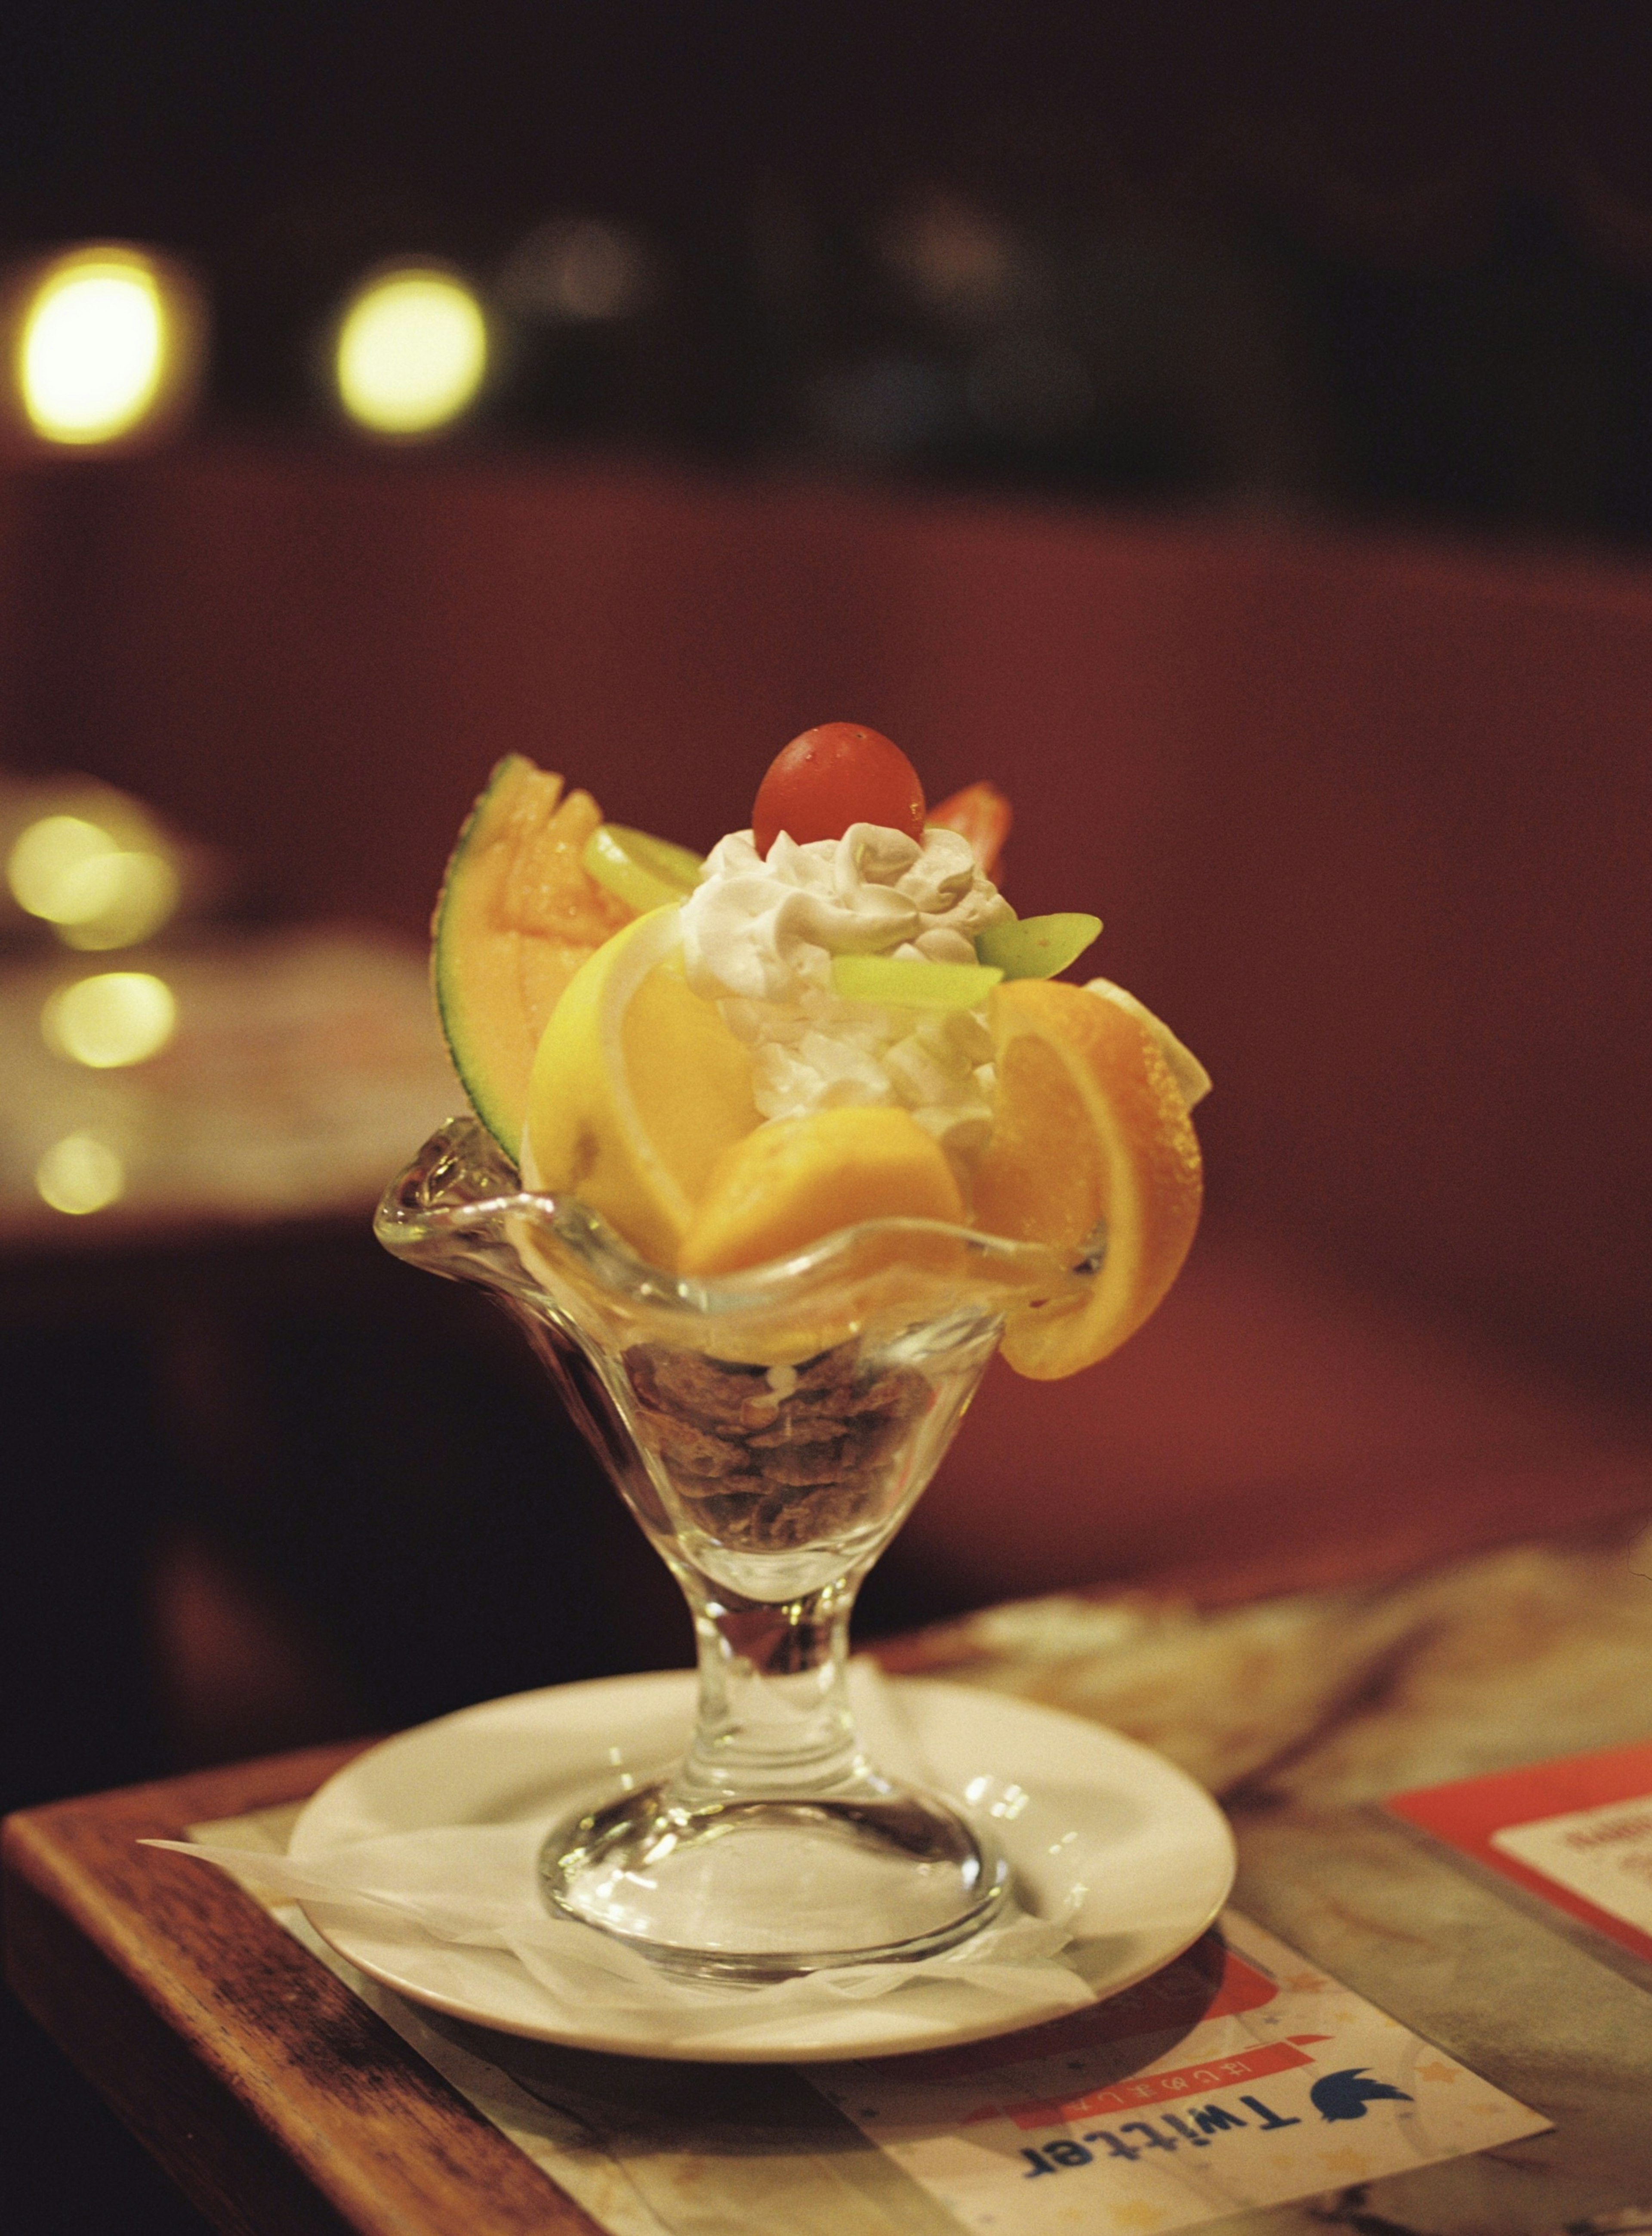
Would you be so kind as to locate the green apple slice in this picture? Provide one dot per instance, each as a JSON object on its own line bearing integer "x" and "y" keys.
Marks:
{"x": 644, "y": 871}
{"x": 902, "y": 982}
{"x": 1037, "y": 946}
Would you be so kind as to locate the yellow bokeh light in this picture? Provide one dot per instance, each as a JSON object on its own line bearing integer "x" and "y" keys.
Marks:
{"x": 79, "y": 1175}
{"x": 120, "y": 900}
{"x": 412, "y": 351}
{"x": 75, "y": 876}
{"x": 118, "y": 1017}
{"x": 48, "y": 859}
{"x": 93, "y": 345}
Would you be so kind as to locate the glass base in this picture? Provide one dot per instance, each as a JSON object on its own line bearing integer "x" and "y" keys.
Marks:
{"x": 767, "y": 1890}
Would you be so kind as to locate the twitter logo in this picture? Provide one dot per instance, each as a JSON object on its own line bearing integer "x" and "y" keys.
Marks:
{"x": 1344, "y": 2095}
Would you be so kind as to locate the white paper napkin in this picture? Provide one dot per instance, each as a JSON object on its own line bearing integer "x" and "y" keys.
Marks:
{"x": 477, "y": 1886}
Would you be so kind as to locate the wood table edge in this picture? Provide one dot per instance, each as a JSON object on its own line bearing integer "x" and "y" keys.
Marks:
{"x": 275, "y": 2099}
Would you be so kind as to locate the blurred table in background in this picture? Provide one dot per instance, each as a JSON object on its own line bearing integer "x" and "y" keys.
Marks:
{"x": 304, "y": 1067}
{"x": 228, "y": 1411}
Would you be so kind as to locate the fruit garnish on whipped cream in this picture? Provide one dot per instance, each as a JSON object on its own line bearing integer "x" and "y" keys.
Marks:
{"x": 760, "y": 937}
{"x": 837, "y": 1017}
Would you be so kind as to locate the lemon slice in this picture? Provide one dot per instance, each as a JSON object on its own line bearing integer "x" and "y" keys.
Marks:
{"x": 638, "y": 1088}
{"x": 1090, "y": 1132}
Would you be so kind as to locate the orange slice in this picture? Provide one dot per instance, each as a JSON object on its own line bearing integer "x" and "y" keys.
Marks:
{"x": 981, "y": 814}
{"x": 1089, "y": 1128}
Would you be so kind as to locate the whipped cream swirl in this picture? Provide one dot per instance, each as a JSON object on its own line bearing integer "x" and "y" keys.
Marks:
{"x": 758, "y": 938}
{"x": 769, "y": 930}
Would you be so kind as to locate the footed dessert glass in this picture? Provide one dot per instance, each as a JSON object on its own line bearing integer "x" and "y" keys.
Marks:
{"x": 770, "y": 1431}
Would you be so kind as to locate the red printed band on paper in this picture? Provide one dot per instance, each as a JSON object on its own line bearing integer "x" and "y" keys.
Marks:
{"x": 1154, "y": 2088}
{"x": 1209, "y": 1981}
{"x": 1467, "y": 1814}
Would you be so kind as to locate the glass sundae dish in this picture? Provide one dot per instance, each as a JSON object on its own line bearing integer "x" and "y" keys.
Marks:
{"x": 770, "y": 1432}
{"x": 766, "y": 1220}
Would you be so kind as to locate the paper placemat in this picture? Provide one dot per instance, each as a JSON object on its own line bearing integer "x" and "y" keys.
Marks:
{"x": 1238, "y": 2076}
{"x": 1129, "y": 2118}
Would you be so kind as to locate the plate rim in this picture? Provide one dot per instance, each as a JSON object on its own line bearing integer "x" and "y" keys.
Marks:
{"x": 706, "y": 2050}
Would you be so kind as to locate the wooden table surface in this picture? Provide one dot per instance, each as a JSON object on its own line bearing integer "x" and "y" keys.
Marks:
{"x": 275, "y": 2098}
{"x": 281, "y": 2102}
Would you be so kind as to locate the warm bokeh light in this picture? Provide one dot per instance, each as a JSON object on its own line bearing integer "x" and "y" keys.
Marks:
{"x": 79, "y": 1175}
{"x": 94, "y": 346}
{"x": 117, "y": 1018}
{"x": 95, "y": 893}
{"x": 49, "y": 858}
{"x": 412, "y": 351}
{"x": 124, "y": 899}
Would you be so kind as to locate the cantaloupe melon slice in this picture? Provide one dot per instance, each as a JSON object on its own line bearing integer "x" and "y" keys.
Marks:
{"x": 518, "y": 914}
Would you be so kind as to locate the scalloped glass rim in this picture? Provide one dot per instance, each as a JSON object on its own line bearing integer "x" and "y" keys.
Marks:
{"x": 422, "y": 1208}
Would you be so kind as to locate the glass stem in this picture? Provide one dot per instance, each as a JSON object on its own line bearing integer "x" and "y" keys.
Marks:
{"x": 774, "y": 1710}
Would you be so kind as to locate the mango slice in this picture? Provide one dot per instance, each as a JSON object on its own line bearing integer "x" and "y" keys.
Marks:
{"x": 797, "y": 1180}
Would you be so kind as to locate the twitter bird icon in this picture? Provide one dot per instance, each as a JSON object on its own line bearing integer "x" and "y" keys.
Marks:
{"x": 1344, "y": 2095}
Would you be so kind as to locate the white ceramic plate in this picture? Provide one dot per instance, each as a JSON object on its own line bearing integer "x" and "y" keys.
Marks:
{"x": 1096, "y": 1829}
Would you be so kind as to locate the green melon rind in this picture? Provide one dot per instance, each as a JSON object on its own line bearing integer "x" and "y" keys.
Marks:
{"x": 447, "y": 947}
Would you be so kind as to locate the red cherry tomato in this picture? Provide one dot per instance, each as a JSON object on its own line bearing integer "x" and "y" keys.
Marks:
{"x": 829, "y": 778}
